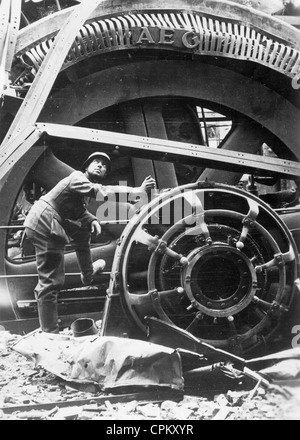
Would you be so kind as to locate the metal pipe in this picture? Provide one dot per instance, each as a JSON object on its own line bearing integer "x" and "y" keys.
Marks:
{"x": 32, "y": 275}
{"x": 58, "y": 5}
{"x": 108, "y": 222}
{"x": 205, "y": 126}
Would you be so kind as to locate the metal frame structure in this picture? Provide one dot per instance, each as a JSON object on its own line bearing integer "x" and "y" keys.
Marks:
{"x": 206, "y": 34}
{"x": 32, "y": 105}
{"x": 216, "y": 32}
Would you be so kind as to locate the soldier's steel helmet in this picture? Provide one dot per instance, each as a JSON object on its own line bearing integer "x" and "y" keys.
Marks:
{"x": 97, "y": 155}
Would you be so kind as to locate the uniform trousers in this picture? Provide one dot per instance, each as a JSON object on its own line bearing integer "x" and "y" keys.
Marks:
{"x": 51, "y": 272}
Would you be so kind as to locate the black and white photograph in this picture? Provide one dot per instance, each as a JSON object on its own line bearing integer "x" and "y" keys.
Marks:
{"x": 149, "y": 212}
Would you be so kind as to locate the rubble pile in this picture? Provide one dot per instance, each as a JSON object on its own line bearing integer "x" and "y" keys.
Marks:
{"x": 29, "y": 392}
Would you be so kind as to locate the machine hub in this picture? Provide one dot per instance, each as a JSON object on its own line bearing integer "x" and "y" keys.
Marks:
{"x": 219, "y": 280}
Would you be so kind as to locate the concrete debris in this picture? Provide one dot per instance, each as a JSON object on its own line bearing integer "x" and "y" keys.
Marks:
{"x": 168, "y": 406}
{"x": 221, "y": 400}
{"x": 223, "y": 413}
{"x": 150, "y": 411}
{"x": 236, "y": 398}
{"x": 67, "y": 413}
{"x": 181, "y": 413}
{"x": 29, "y": 392}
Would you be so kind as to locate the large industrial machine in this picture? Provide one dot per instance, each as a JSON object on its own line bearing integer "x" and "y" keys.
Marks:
{"x": 203, "y": 96}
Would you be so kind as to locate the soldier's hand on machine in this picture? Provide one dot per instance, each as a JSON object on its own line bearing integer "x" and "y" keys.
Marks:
{"x": 95, "y": 228}
{"x": 148, "y": 184}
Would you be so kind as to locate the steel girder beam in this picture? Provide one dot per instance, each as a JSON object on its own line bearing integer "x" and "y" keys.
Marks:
{"x": 10, "y": 12}
{"x": 244, "y": 138}
{"x": 228, "y": 159}
{"x": 198, "y": 153}
{"x": 33, "y": 103}
{"x": 4, "y": 26}
{"x": 14, "y": 24}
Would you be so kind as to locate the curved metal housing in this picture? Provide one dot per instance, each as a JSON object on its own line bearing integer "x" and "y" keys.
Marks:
{"x": 202, "y": 33}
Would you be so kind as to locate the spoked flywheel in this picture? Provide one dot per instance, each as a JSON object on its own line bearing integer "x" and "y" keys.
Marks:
{"x": 210, "y": 259}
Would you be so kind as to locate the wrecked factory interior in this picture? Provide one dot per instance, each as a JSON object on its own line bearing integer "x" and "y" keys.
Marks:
{"x": 204, "y": 272}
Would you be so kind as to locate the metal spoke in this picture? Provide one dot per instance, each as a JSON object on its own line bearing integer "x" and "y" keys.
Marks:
{"x": 166, "y": 293}
{"x": 279, "y": 260}
{"x": 264, "y": 305}
{"x": 143, "y": 303}
{"x": 232, "y": 325}
{"x": 199, "y": 317}
{"x": 271, "y": 308}
{"x": 257, "y": 312}
{"x": 248, "y": 223}
{"x": 141, "y": 236}
{"x": 159, "y": 246}
{"x": 198, "y": 214}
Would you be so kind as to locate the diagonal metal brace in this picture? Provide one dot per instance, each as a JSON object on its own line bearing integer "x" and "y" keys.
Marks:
{"x": 38, "y": 93}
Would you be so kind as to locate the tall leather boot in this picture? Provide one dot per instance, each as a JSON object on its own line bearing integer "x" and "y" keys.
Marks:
{"x": 84, "y": 257}
{"x": 48, "y": 316}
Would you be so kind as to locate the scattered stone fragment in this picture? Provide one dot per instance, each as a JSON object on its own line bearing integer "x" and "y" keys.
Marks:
{"x": 180, "y": 413}
{"x": 237, "y": 398}
{"x": 31, "y": 373}
{"x": 190, "y": 403}
{"x": 109, "y": 405}
{"x": 207, "y": 410}
{"x": 261, "y": 391}
{"x": 10, "y": 399}
{"x": 87, "y": 416}
{"x": 221, "y": 400}
{"x": 4, "y": 353}
{"x": 26, "y": 401}
{"x": 31, "y": 415}
{"x": 223, "y": 413}
{"x": 106, "y": 415}
{"x": 168, "y": 405}
{"x": 131, "y": 406}
{"x": 149, "y": 410}
{"x": 70, "y": 390}
{"x": 91, "y": 407}
{"x": 31, "y": 389}
{"x": 53, "y": 388}
{"x": 69, "y": 413}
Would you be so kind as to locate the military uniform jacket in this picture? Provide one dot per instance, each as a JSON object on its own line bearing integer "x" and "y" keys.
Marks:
{"x": 62, "y": 211}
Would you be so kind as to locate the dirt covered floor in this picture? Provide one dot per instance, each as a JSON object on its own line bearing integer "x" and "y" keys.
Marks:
{"x": 28, "y": 392}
